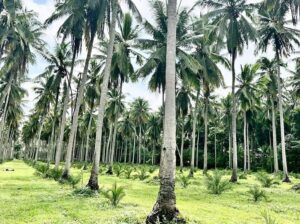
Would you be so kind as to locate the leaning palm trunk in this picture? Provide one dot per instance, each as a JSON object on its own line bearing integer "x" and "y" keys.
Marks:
{"x": 245, "y": 142}
{"x": 93, "y": 181}
{"x": 205, "y": 136}
{"x": 282, "y": 134}
{"x": 6, "y": 91}
{"x": 192, "y": 169}
{"x": 2, "y": 124}
{"x": 63, "y": 117}
{"x": 274, "y": 138}
{"x": 38, "y": 145}
{"x": 165, "y": 206}
{"x": 87, "y": 144}
{"x": 234, "y": 140}
{"x": 76, "y": 111}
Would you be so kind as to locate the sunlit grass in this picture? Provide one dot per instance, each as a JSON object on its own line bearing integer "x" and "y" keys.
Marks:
{"x": 27, "y": 198}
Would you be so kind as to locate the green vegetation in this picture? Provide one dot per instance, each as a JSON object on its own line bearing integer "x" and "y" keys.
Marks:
{"x": 36, "y": 200}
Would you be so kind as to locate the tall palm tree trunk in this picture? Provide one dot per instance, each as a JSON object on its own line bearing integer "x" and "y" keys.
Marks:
{"x": 64, "y": 116}
{"x": 38, "y": 145}
{"x": 274, "y": 138}
{"x": 205, "y": 136}
{"x": 245, "y": 142}
{"x": 248, "y": 148}
{"x": 192, "y": 169}
{"x": 181, "y": 146}
{"x": 133, "y": 152}
{"x": 165, "y": 206}
{"x": 87, "y": 144}
{"x": 282, "y": 134}
{"x": 140, "y": 144}
{"x": 234, "y": 140}
{"x": 93, "y": 181}
{"x": 76, "y": 111}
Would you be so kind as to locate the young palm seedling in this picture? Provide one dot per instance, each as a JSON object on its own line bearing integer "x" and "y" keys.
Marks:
{"x": 114, "y": 195}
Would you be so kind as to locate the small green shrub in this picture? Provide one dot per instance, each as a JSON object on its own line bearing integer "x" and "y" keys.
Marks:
{"x": 142, "y": 174}
{"x": 296, "y": 188}
{"x": 118, "y": 170}
{"x": 115, "y": 194}
{"x": 71, "y": 180}
{"x": 268, "y": 218}
{"x": 257, "y": 194}
{"x": 54, "y": 174}
{"x": 84, "y": 192}
{"x": 215, "y": 183}
{"x": 41, "y": 169}
{"x": 152, "y": 169}
{"x": 128, "y": 171}
{"x": 243, "y": 176}
{"x": 295, "y": 175}
{"x": 184, "y": 181}
{"x": 265, "y": 180}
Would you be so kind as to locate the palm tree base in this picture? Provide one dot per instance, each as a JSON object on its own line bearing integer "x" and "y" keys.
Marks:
{"x": 286, "y": 179}
{"x": 65, "y": 175}
{"x": 93, "y": 182}
{"x": 191, "y": 174}
{"x": 233, "y": 179}
{"x": 165, "y": 215}
{"x": 110, "y": 171}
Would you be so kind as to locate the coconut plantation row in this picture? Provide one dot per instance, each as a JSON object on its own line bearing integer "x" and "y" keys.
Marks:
{"x": 223, "y": 147}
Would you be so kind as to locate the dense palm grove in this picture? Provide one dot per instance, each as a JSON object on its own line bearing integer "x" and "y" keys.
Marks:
{"x": 80, "y": 113}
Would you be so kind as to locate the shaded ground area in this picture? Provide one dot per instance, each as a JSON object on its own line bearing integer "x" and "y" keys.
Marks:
{"x": 27, "y": 198}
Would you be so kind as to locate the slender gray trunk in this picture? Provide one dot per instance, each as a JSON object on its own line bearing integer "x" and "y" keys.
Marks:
{"x": 87, "y": 144}
{"x": 274, "y": 138}
{"x": 165, "y": 206}
{"x": 245, "y": 142}
{"x": 205, "y": 135}
{"x": 282, "y": 134}
{"x": 76, "y": 112}
{"x": 182, "y": 145}
{"x": 233, "y": 125}
{"x": 93, "y": 181}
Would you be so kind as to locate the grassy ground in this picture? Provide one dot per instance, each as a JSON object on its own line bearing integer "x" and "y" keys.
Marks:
{"x": 27, "y": 198}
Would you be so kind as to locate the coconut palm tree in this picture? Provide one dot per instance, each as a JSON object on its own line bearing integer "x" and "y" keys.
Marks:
{"x": 156, "y": 46}
{"x": 165, "y": 206}
{"x": 113, "y": 8}
{"x": 235, "y": 28}
{"x": 153, "y": 132}
{"x": 274, "y": 31}
{"x": 269, "y": 69}
{"x": 249, "y": 98}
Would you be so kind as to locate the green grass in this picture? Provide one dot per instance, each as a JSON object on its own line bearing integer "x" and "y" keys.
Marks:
{"x": 27, "y": 198}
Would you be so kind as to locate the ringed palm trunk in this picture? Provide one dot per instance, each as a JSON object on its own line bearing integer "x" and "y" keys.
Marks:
{"x": 282, "y": 134}
{"x": 248, "y": 148}
{"x": 140, "y": 144}
{"x": 76, "y": 112}
{"x": 192, "y": 169}
{"x": 64, "y": 116}
{"x": 133, "y": 152}
{"x": 274, "y": 138}
{"x": 205, "y": 136}
{"x": 38, "y": 145}
{"x": 245, "y": 142}
{"x": 233, "y": 125}
{"x": 230, "y": 148}
{"x": 88, "y": 136}
{"x": 165, "y": 206}
{"x": 215, "y": 150}
{"x": 93, "y": 181}
{"x": 181, "y": 146}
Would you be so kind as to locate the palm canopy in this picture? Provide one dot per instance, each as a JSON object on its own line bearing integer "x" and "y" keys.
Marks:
{"x": 231, "y": 19}
{"x": 157, "y": 44}
{"x": 274, "y": 30}
{"x": 248, "y": 88}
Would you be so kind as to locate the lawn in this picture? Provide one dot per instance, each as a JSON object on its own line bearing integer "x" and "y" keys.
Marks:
{"x": 28, "y": 198}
